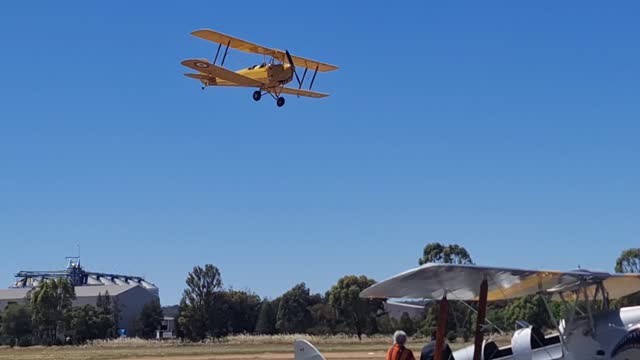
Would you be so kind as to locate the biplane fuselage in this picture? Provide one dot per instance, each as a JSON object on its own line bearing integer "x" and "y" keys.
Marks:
{"x": 272, "y": 75}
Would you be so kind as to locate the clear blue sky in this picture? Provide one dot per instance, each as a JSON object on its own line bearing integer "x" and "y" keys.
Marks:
{"x": 509, "y": 128}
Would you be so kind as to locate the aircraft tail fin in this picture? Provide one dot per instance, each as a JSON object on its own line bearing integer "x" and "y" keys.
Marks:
{"x": 305, "y": 351}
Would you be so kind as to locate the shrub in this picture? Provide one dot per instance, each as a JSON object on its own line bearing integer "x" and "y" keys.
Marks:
{"x": 24, "y": 341}
{"x": 452, "y": 336}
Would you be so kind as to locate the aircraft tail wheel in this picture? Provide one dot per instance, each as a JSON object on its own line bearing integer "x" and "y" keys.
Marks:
{"x": 280, "y": 101}
{"x": 257, "y": 95}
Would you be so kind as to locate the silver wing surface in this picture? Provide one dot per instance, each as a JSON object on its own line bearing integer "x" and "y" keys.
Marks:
{"x": 462, "y": 282}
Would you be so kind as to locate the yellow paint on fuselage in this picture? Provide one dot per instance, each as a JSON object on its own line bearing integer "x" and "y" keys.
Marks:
{"x": 271, "y": 74}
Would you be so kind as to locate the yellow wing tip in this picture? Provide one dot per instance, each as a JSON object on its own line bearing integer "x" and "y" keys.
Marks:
{"x": 199, "y": 31}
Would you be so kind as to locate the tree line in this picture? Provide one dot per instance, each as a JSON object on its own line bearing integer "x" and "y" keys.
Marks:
{"x": 208, "y": 310}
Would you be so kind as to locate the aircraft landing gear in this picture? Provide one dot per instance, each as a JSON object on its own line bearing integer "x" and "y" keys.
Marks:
{"x": 274, "y": 94}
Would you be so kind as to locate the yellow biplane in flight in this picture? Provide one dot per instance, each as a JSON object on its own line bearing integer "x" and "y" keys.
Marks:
{"x": 268, "y": 77}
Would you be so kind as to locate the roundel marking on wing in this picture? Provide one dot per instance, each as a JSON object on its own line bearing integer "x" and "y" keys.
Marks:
{"x": 200, "y": 64}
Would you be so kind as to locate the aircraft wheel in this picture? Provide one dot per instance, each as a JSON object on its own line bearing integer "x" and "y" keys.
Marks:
{"x": 629, "y": 346}
{"x": 280, "y": 101}
{"x": 627, "y": 355}
{"x": 257, "y": 95}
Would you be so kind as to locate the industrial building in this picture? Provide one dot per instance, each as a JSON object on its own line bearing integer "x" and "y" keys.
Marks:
{"x": 131, "y": 292}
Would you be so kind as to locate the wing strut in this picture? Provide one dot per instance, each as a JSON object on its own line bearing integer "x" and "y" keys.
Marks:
{"x": 303, "y": 75}
{"x": 225, "y": 53}
{"x": 217, "y": 53}
{"x": 314, "y": 77}
{"x": 482, "y": 314}
{"x": 442, "y": 327}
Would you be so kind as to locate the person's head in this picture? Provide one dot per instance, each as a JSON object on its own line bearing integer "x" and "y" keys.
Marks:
{"x": 433, "y": 335}
{"x": 399, "y": 337}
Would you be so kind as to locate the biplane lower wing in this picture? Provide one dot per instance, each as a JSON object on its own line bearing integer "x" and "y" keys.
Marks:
{"x": 300, "y": 92}
{"x": 216, "y": 71}
{"x": 211, "y": 80}
{"x": 462, "y": 282}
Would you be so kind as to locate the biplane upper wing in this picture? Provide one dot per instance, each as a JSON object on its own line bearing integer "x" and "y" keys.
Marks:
{"x": 462, "y": 282}
{"x": 216, "y": 71}
{"x": 300, "y": 92}
{"x": 246, "y": 46}
{"x": 305, "y": 63}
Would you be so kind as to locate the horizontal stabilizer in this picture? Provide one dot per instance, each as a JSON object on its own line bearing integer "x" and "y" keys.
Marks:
{"x": 199, "y": 76}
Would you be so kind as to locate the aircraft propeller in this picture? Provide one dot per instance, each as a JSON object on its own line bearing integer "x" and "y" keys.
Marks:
{"x": 293, "y": 67}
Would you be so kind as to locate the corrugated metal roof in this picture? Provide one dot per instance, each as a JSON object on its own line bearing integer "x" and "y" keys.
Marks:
{"x": 13, "y": 294}
{"x": 81, "y": 291}
{"x": 94, "y": 290}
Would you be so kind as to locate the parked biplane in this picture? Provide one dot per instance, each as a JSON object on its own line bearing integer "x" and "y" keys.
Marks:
{"x": 269, "y": 77}
{"x": 591, "y": 329}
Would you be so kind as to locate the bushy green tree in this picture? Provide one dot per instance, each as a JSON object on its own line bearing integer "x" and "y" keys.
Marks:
{"x": 460, "y": 319}
{"x": 445, "y": 254}
{"x": 629, "y": 261}
{"x": 51, "y": 307}
{"x": 385, "y": 324}
{"x": 530, "y": 309}
{"x": 242, "y": 310}
{"x": 16, "y": 321}
{"x": 149, "y": 320}
{"x": 201, "y": 313}
{"x": 84, "y": 323}
{"x": 107, "y": 312}
{"x": 407, "y": 324}
{"x": 358, "y": 314}
{"x": 325, "y": 321}
{"x": 266, "y": 323}
{"x": 294, "y": 315}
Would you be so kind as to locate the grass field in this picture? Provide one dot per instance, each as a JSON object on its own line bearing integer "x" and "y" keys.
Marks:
{"x": 236, "y": 347}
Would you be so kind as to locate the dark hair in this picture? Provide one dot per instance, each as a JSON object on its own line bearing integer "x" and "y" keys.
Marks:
{"x": 433, "y": 335}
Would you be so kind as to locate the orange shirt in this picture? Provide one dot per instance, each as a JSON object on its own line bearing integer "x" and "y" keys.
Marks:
{"x": 399, "y": 352}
